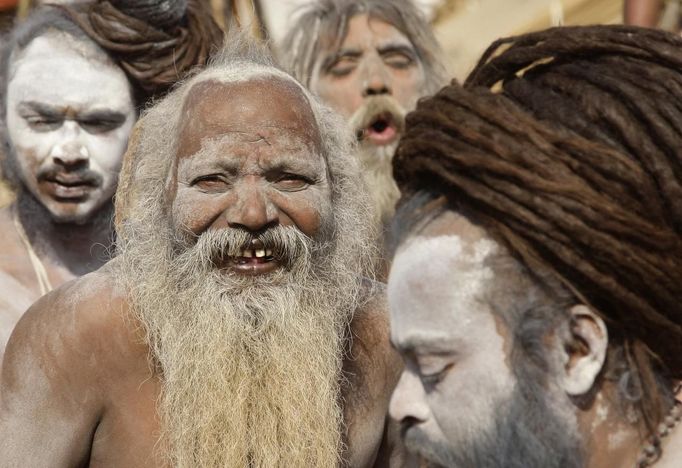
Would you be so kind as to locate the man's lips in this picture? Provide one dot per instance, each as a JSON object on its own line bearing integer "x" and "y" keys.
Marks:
{"x": 253, "y": 260}
{"x": 381, "y": 131}
{"x": 68, "y": 186}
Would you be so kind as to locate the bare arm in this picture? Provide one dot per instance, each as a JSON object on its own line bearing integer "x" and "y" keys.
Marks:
{"x": 642, "y": 12}
{"x": 49, "y": 406}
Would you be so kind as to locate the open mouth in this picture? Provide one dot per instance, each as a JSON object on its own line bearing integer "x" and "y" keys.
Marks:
{"x": 381, "y": 130}
{"x": 254, "y": 260}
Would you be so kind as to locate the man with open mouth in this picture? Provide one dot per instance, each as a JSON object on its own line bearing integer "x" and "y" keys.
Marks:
{"x": 370, "y": 60}
{"x": 67, "y": 107}
{"x": 236, "y": 326}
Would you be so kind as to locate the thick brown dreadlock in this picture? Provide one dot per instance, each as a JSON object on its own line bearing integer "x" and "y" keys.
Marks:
{"x": 568, "y": 144}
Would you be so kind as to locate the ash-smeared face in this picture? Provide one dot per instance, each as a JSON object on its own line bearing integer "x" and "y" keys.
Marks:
{"x": 456, "y": 351}
{"x": 375, "y": 60}
{"x": 69, "y": 115}
{"x": 251, "y": 173}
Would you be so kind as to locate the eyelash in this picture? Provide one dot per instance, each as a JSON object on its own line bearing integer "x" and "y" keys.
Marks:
{"x": 434, "y": 379}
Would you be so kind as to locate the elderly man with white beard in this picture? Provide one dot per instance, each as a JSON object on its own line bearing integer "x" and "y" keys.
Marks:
{"x": 234, "y": 328}
{"x": 370, "y": 60}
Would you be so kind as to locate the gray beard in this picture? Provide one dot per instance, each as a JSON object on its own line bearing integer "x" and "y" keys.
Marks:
{"x": 527, "y": 433}
{"x": 250, "y": 366}
{"x": 377, "y": 170}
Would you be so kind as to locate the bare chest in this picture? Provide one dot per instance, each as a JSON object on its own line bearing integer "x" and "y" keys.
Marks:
{"x": 129, "y": 432}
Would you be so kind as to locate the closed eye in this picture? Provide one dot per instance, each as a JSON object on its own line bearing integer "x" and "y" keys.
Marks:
{"x": 342, "y": 67}
{"x": 44, "y": 123}
{"x": 398, "y": 60}
{"x": 435, "y": 378}
{"x": 100, "y": 126}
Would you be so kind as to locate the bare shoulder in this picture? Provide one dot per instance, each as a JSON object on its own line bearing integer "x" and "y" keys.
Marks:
{"x": 56, "y": 371}
{"x": 81, "y": 325}
{"x": 81, "y": 308}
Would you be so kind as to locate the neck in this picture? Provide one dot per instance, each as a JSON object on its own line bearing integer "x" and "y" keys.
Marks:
{"x": 613, "y": 439}
{"x": 80, "y": 248}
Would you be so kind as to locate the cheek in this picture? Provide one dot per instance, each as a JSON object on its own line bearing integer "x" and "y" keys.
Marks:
{"x": 196, "y": 211}
{"x": 407, "y": 86}
{"x": 344, "y": 95}
{"x": 304, "y": 209}
{"x": 29, "y": 164}
{"x": 28, "y": 144}
{"x": 107, "y": 150}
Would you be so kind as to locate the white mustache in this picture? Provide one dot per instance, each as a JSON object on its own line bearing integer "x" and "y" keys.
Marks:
{"x": 286, "y": 243}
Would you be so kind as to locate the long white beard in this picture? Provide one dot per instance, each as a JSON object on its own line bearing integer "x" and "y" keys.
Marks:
{"x": 250, "y": 369}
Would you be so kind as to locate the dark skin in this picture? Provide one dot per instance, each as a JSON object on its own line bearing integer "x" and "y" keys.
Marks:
{"x": 76, "y": 379}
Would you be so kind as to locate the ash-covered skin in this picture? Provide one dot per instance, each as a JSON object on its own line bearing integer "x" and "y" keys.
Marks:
{"x": 453, "y": 347}
{"x": 250, "y": 170}
{"x": 374, "y": 59}
{"x": 497, "y": 373}
{"x": 373, "y": 79}
{"x": 69, "y": 112}
{"x": 68, "y": 136}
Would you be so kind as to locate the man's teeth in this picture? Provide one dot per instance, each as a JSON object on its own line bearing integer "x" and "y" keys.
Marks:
{"x": 258, "y": 253}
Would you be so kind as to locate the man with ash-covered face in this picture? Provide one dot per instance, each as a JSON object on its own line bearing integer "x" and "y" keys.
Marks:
{"x": 234, "y": 327}
{"x": 535, "y": 293}
{"x": 370, "y": 60}
{"x": 68, "y": 106}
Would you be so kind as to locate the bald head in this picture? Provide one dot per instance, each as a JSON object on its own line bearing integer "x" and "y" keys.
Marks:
{"x": 213, "y": 108}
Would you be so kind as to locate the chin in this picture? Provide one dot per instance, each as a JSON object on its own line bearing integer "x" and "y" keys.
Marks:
{"x": 72, "y": 213}
{"x": 431, "y": 448}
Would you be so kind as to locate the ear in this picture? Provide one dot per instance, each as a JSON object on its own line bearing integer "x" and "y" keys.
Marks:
{"x": 584, "y": 350}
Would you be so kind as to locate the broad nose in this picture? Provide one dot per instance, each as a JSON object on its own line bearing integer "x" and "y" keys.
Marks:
{"x": 408, "y": 404}
{"x": 253, "y": 210}
{"x": 70, "y": 151}
{"x": 377, "y": 80}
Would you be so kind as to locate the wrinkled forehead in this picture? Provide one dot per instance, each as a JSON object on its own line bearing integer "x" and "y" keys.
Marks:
{"x": 268, "y": 104}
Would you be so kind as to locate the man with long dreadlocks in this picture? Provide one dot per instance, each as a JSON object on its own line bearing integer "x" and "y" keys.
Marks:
{"x": 370, "y": 60}
{"x": 234, "y": 328}
{"x": 535, "y": 293}
{"x": 72, "y": 79}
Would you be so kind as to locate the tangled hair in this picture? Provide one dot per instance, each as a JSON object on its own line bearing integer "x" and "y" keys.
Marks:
{"x": 155, "y": 42}
{"x": 566, "y": 145}
{"x": 323, "y": 25}
{"x": 149, "y": 163}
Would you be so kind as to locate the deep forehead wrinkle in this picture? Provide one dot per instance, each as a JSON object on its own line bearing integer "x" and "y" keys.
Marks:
{"x": 292, "y": 156}
{"x": 259, "y": 106}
